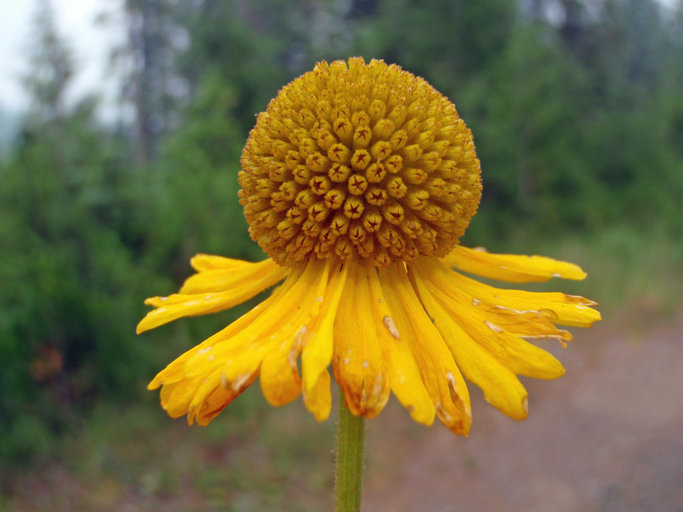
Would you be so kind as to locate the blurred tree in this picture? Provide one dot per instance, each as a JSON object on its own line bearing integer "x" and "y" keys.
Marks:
{"x": 446, "y": 41}
{"x": 630, "y": 55}
{"x": 197, "y": 208}
{"x": 52, "y": 68}
{"x": 68, "y": 295}
{"x": 255, "y": 47}
{"x": 154, "y": 38}
{"x": 527, "y": 113}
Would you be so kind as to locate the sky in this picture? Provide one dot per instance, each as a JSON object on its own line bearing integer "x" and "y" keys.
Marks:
{"x": 90, "y": 44}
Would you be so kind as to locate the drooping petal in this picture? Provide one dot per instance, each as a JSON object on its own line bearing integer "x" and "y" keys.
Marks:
{"x": 211, "y": 381}
{"x": 319, "y": 345}
{"x": 440, "y": 375}
{"x": 557, "y": 307}
{"x": 280, "y": 380}
{"x": 175, "y": 371}
{"x": 513, "y": 268}
{"x": 204, "y": 262}
{"x": 215, "y": 401}
{"x": 501, "y": 387}
{"x": 318, "y": 398}
{"x": 243, "y": 350}
{"x": 205, "y": 379}
{"x": 245, "y": 282}
{"x": 520, "y": 356}
{"x": 357, "y": 359}
{"x": 528, "y": 324}
{"x": 175, "y": 399}
{"x": 404, "y": 375}
{"x": 223, "y": 279}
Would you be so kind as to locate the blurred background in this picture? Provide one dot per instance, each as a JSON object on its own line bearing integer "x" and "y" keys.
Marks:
{"x": 121, "y": 127}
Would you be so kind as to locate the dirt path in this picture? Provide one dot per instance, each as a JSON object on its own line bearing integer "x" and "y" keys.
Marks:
{"x": 606, "y": 437}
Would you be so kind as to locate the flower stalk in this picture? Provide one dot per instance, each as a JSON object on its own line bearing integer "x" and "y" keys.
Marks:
{"x": 349, "y": 465}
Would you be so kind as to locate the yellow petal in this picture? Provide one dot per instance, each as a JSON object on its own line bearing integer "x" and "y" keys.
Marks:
{"x": 317, "y": 352}
{"x": 175, "y": 371}
{"x": 203, "y": 262}
{"x": 501, "y": 387}
{"x": 221, "y": 280}
{"x": 280, "y": 380}
{"x": 175, "y": 398}
{"x": 181, "y": 304}
{"x": 318, "y": 398}
{"x": 216, "y": 400}
{"x": 513, "y": 268}
{"x": 520, "y": 356}
{"x": 193, "y": 305}
{"x": 202, "y": 381}
{"x": 357, "y": 359}
{"x": 242, "y": 350}
{"x": 404, "y": 375}
{"x": 210, "y": 381}
{"x": 557, "y": 307}
{"x": 211, "y": 399}
{"x": 528, "y": 324}
{"x": 440, "y": 375}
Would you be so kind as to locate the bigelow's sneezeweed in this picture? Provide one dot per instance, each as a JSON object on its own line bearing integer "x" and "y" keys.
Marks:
{"x": 358, "y": 182}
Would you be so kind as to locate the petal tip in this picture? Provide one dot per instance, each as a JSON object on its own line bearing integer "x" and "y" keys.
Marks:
{"x": 524, "y": 413}
{"x": 141, "y": 327}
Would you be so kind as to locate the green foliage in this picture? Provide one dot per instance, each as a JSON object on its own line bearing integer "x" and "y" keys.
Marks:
{"x": 578, "y": 122}
{"x": 527, "y": 116}
{"x": 207, "y": 147}
{"x": 67, "y": 272}
{"x": 252, "y": 53}
{"x": 445, "y": 41}
{"x": 67, "y": 277}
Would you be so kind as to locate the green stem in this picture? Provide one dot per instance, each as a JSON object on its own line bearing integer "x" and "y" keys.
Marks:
{"x": 349, "y": 467}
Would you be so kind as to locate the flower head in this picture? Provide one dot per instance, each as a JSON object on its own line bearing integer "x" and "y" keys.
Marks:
{"x": 365, "y": 161}
{"x": 358, "y": 181}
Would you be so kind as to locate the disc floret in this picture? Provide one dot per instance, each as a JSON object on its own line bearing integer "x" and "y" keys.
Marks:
{"x": 359, "y": 160}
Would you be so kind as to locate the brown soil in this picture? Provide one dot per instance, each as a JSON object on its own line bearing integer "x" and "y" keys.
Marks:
{"x": 606, "y": 437}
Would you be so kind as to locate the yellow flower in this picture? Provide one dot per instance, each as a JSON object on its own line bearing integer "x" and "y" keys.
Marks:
{"x": 358, "y": 181}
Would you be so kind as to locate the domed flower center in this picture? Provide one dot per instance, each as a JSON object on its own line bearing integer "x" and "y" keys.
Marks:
{"x": 364, "y": 161}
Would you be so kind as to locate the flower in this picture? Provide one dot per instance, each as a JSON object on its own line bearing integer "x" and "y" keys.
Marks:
{"x": 358, "y": 181}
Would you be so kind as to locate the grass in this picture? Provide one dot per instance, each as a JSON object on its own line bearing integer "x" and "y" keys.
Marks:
{"x": 253, "y": 457}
